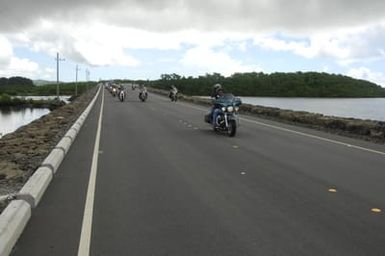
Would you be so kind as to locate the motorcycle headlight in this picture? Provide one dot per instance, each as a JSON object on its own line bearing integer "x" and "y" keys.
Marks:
{"x": 223, "y": 109}
{"x": 230, "y": 109}
{"x": 236, "y": 109}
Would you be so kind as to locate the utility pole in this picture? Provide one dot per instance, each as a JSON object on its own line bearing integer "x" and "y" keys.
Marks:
{"x": 87, "y": 76}
{"x": 76, "y": 83}
{"x": 57, "y": 74}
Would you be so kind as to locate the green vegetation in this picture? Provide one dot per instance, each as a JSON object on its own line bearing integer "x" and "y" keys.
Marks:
{"x": 8, "y": 101}
{"x": 15, "y": 84}
{"x": 300, "y": 84}
{"x": 23, "y": 86}
{"x": 64, "y": 88}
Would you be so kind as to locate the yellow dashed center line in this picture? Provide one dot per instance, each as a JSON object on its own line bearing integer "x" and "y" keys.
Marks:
{"x": 332, "y": 190}
{"x": 376, "y": 210}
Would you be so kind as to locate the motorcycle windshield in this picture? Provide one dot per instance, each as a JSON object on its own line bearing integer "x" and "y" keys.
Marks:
{"x": 228, "y": 100}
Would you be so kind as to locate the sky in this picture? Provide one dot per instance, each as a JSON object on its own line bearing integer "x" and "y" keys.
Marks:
{"x": 142, "y": 39}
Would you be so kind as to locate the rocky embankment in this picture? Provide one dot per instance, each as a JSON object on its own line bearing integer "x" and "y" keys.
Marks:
{"x": 22, "y": 151}
{"x": 369, "y": 130}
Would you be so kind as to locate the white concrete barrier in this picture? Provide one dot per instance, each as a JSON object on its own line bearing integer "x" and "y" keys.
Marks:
{"x": 54, "y": 159}
{"x": 65, "y": 143}
{"x": 76, "y": 126}
{"x": 12, "y": 222}
{"x": 37, "y": 184}
{"x": 71, "y": 133}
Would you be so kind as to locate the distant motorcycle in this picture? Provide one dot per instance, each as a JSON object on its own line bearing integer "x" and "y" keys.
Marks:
{"x": 227, "y": 120}
{"x": 173, "y": 95}
{"x": 122, "y": 95}
{"x": 143, "y": 95}
{"x": 113, "y": 92}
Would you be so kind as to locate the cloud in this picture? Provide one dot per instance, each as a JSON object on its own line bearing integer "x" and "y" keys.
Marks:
{"x": 94, "y": 45}
{"x": 344, "y": 45}
{"x": 20, "y": 67}
{"x": 209, "y": 61}
{"x": 367, "y": 74}
{"x": 5, "y": 53}
{"x": 108, "y": 33}
{"x": 326, "y": 25}
{"x": 171, "y": 15}
{"x": 13, "y": 66}
{"x": 100, "y": 44}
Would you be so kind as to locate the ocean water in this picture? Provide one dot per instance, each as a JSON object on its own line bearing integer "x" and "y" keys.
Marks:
{"x": 362, "y": 108}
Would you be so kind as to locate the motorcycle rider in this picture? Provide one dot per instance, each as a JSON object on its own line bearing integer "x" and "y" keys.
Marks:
{"x": 216, "y": 93}
{"x": 173, "y": 92}
{"x": 142, "y": 90}
{"x": 121, "y": 92}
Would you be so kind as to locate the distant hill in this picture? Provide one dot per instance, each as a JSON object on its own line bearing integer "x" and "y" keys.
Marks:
{"x": 42, "y": 82}
{"x": 299, "y": 84}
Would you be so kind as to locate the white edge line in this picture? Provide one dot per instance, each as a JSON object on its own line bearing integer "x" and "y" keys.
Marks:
{"x": 301, "y": 133}
{"x": 85, "y": 236}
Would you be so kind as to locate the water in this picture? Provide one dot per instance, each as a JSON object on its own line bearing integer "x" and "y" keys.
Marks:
{"x": 13, "y": 118}
{"x": 362, "y": 108}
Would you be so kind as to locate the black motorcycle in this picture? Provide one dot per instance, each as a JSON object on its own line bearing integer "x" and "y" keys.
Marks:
{"x": 173, "y": 95}
{"x": 143, "y": 95}
{"x": 227, "y": 119}
{"x": 122, "y": 95}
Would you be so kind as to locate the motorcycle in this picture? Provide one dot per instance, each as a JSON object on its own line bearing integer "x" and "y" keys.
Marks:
{"x": 122, "y": 95}
{"x": 143, "y": 95}
{"x": 227, "y": 119}
{"x": 173, "y": 95}
{"x": 113, "y": 92}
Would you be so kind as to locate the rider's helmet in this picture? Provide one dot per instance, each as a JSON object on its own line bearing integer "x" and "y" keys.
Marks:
{"x": 216, "y": 87}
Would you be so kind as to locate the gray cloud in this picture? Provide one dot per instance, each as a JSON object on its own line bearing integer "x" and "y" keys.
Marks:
{"x": 241, "y": 15}
{"x": 297, "y": 18}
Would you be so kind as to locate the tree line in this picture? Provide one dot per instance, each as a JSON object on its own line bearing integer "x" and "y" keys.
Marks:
{"x": 299, "y": 84}
{"x": 23, "y": 86}
{"x": 15, "y": 84}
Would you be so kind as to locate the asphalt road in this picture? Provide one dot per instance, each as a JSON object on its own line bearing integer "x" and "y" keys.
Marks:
{"x": 166, "y": 184}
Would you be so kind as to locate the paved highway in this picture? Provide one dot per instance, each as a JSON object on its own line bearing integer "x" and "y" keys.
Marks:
{"x": 161, "y": 182}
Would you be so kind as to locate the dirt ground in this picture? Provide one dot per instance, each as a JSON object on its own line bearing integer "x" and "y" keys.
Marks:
{"x": 23, "y": 151}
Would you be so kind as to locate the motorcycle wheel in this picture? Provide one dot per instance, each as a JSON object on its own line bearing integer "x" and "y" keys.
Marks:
{"x": 232, "y": 129}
